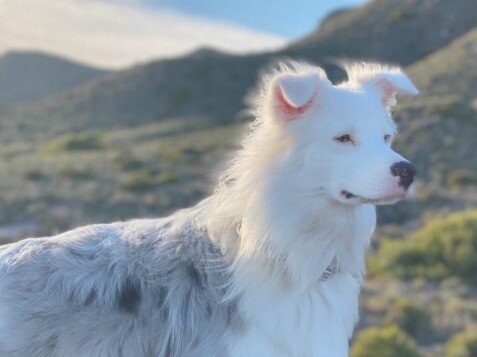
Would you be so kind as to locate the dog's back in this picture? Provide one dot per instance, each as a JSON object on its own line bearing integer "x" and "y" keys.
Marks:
{"x": 148, "y": 288}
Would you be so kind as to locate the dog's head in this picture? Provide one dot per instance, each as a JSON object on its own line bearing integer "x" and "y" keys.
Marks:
{"x": 344, "y": 133}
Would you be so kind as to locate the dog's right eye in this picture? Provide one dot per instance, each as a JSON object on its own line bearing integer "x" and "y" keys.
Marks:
{"x": 346, "y": 138}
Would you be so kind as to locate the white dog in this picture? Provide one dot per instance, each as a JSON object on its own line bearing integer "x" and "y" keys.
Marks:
{"x": 269, "y": 265}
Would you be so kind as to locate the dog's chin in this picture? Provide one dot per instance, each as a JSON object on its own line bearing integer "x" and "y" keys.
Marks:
{"x": 347, "y": 197}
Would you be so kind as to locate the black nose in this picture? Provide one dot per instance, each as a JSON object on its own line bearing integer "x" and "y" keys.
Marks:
{"x": 405, "y": 171}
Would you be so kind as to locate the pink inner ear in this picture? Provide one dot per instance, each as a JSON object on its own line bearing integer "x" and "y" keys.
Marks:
{"x": 289, "y": 109}
{"x": 388, "y": 92}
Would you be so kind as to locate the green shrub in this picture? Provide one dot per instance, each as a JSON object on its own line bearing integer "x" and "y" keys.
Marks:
{"x": 462, "y": 178}
{"x": 454, "y": 109}
{"x": 399, "y": 14}
{"x": 412, "y": 319}
{"x": 463, "y": 344}
{"x": 167, "y": 177}
{"x": 33, "y": 174}
{"x": 389, "y": 341}
{"x": 444, "y": 247}
{"x": 173, "y": 155}
{"x": 138, "y": 181}
{"x": 74, "y": 173}
{"x": 126, "y": 161}
{"x": 85, "y": 140}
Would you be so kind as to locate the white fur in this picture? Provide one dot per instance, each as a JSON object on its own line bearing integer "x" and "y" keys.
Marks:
{"x": 293, "y": 219}
{"x": 240, "y": 273}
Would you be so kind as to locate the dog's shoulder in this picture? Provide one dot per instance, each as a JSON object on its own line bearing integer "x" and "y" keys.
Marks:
{"x": 144, "y": 272}
{"x": 98, "y": 245}
{"x": 112, "y": 265}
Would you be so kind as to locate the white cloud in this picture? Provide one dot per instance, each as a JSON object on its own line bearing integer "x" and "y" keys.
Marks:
{"x": 117, "y": 34}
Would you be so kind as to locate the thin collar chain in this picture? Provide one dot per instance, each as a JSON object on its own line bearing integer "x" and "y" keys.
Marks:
{"x": 330, "y": 271}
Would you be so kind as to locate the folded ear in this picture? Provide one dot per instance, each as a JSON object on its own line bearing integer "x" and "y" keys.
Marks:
{"x": 388, "y": 82}
{"x": 294, "y": 93}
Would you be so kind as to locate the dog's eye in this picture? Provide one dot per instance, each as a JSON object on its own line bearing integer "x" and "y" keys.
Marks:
{"x": 346, "y": 138}
{"x": 387, "y": 137}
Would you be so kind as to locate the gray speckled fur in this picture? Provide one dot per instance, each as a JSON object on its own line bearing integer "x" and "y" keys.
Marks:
{"x": 139, "y": 288}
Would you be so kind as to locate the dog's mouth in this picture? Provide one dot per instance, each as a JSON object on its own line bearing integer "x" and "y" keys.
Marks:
{"x": 374, "y": 201}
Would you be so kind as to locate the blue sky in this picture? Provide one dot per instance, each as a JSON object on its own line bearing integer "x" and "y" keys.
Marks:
{"x": 287, "y": 18}
{"x": 121, "y": 33}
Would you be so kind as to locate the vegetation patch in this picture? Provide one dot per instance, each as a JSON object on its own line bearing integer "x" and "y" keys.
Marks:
{"x": 167, "y": 177}
{"x": 411, "y": 318}
{"x": 86, "y": 140}
{"x": 33, "y": 174}
{"x": 399, "y": 14}
{"x": 443, "y": 248}
{"x": 389, "y": 341}
{"x": 138, "y": 181}
{"x": 454, "y": 109}
{"x": 173, "y": 155}
{"x": 126, "y": 161}
{"x": 73, "y": 173}
{"x": 462, "y": 178}
{"x": 463, "y": 344}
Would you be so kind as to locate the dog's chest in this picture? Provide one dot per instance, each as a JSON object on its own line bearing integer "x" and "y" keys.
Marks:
{"x": 315, "y": 323}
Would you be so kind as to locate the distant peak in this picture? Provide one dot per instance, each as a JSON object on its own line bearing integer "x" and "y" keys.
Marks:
{"x": 27, "y": 53}
{"x": 32, "y": 56}
{"x": 204, "y": 52}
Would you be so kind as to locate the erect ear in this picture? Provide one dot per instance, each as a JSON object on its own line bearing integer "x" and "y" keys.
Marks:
{"x": 295, "y": 93}
{"x": 389, "y": 83}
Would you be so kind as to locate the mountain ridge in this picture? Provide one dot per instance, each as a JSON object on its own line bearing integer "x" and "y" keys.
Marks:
{"x": 211, "y": 85}
{"x": 420, "y": 27}
{"x": 27, "y": 76}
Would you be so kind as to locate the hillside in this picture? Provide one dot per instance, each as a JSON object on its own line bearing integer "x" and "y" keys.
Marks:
{"x": 211, "y": 85}
{"x": 439, "y": 129}
{"x": 394, "y": 31}
{"x": 205, "y": 84}
{"x": 30, "y": 76}
{"x": 447, "y": 108}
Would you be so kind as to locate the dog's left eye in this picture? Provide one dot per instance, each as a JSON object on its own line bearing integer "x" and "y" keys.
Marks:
{"x": 346, "y": 138}
{"x": 387, "y": 137}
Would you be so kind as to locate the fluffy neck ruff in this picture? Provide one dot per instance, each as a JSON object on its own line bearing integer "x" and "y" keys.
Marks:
{"x": 276, "y": 234}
